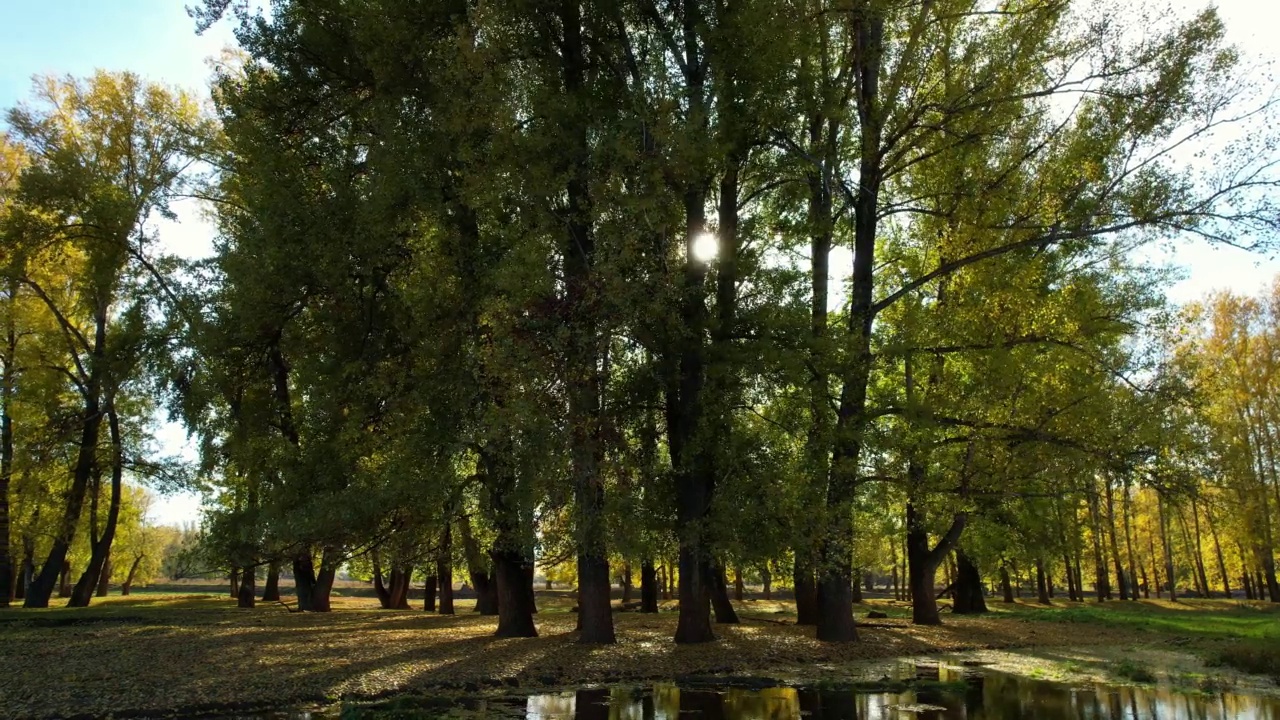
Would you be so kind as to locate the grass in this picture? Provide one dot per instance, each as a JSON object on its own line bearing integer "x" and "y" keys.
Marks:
{"x": 1189, "y": 618}
{"x": 159, "y": 653}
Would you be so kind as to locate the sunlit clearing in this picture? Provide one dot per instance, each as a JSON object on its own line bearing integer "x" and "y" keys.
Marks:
{"x": 705, "y": 247}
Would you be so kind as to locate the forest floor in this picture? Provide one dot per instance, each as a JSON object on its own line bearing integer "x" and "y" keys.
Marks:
{"x": 155, "y": 654}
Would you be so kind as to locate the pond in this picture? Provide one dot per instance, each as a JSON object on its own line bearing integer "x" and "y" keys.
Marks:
{"x": 938, "y": 693}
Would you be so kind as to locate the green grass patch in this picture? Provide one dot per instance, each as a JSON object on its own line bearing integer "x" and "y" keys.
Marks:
{"x": 1208, "y": 619}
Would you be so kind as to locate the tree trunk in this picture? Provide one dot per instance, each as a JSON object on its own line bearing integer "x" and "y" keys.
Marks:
{"x": 1168, "y": 550}
{"x": 584, "y": 377}
{"x": 1006, "y": 587}
{"x": 725, "y": 614}
{"x": 1114, "y": 544}
{"x": 923, "y": 561}
{"x": 625, "y": 583}
{"x": 379, "y": 588}
{"x": 1042, "y": 589}
{"x": 271, "y": 591}
{"x": 86, "y": 457}
{"x": 648, "y": 587}
{"x": 127, "y": 587}
{"x": 477, "y": 572}
{"x": 314, "y": 589}
{"x": 515, "y": 613}
{"x": 530, "y": 591}
{"x": 101, "y": 549}
{"x": 1101, "y": 578}
{"x": 1126, "y": 508}
{"x": 7, "y": 384}
{"x": 738, "y": 589}
{"x": 1217, "y": 552}
{"x": 806, "y": 592}
{"x": 444, "y": 570}
{"x": 1072, "y": 594}
{"x": 429, "y": 594}
{"x": 246, "y": 592}
{"x": 104, "y": 580}
{"x": 234, "y": 583}
{"x": 1202, "y": 577}
{"x": 1155, "y": 564}
{"x": 399, "y": 588}
{"x": 893, "y": 559}
{"x": 766, "y": 580}
{"x": 970, "y": 596}
{"x": 855, "y": 587}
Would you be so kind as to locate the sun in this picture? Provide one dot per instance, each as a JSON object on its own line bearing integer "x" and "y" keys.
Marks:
{"x": 705, "y": 247}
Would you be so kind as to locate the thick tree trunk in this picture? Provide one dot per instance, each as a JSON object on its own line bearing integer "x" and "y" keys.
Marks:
{"x": 271, "y": 590}
{"x": 104, "y": 580}
{"x": 586, "y": 451}
{"x": 399, "y": 587}
{"x": 515, "y": 612}
{"x": 738, "y": 588}
{"x": 314, "y": 589}
{"x": 806, "y": 592}
{"x": 322, "y": 591}
{"x": 923, "y": 562}
{"x": 379, "y": 587}
{"x": 127, "y": 587}
{"x": 53, "y": 571}
{"x": 725, "y": 614}
{"x": 529, "y": 590}
{"x": 101, "y": 549}
{"x": 429, "y": 594}
{"x": 648, "y": 587}
{"x": 246, "y": 595}
{"x": 766, "y": 582}
{"x": 970, "y": 596}
{"x": 477, "y": 571}
{"x": 233, "y": 583}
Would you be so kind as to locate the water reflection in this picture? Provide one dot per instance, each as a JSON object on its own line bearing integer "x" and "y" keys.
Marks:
{"x": 990, "y": 696}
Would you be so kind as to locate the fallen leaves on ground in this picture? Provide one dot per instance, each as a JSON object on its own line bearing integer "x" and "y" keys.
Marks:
{"x": 200, "y": 653}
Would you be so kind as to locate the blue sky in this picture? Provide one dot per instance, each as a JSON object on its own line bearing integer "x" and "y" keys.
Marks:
{"x": 155, "y": 38}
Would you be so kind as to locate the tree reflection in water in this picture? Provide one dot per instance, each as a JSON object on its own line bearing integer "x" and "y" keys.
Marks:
{"x": 991, "y": 696}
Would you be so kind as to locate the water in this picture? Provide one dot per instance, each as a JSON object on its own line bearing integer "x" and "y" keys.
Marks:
{"x": 947, "y": 693}
{"x": 988, "y": 696}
